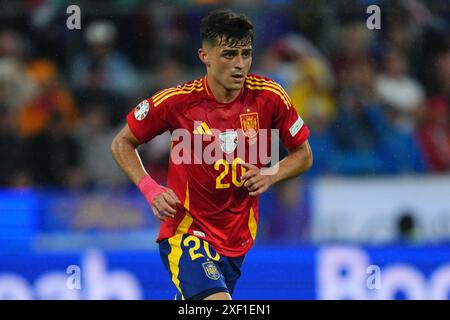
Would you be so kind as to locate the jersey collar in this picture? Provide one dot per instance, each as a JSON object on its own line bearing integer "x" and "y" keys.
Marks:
{"x": 211, "y": 95}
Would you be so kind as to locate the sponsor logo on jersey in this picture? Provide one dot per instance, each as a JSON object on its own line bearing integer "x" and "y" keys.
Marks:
{"x": 202, "y": 128}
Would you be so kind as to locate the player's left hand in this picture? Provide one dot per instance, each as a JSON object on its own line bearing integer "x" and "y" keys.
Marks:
{"x": 255, "y": 182}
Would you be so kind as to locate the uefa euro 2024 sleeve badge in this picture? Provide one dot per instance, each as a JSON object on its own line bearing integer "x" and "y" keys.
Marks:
{"x": 250, "y": 126}
{"x": 141, "y": 111}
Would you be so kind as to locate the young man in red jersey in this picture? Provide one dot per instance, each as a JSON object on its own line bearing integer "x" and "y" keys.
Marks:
{"x": 209, "y": 209}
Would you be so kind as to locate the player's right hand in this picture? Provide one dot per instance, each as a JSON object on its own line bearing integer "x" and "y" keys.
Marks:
{"x": 164, "y": 205}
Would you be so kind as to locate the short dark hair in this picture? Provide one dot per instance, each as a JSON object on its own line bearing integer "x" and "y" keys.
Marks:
{"x": 227, "y": 27}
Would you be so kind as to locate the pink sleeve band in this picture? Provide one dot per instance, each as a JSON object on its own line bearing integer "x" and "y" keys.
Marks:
{"x": 149, "y": 188}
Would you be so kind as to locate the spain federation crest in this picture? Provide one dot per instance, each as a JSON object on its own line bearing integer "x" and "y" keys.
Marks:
{"x": 211, "y": 270}
{"x": 141, "y": 111}
{"x": 228, "y": 141}
{"x": 250, "y": 125}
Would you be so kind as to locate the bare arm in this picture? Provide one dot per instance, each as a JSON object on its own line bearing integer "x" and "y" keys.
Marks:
{"x": 298, "y": 161}
{"x": 124, "y": 151}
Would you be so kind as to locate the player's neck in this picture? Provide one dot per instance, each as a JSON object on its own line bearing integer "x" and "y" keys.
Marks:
{"x": 220, "y": 93}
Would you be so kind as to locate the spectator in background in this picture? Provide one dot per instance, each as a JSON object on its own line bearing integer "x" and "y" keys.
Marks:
{"x": 11, "y": 45}
{"x": 434, "y": 134}
{"x": 353, "y": 45}
{"x": 355, "y": 131}
{"x": 16, "y": 86}
{"x": 94, "y": 135}
{"x": 293, "y": 58}
{"x": 169, "y": 73}
{"x": 401, "y": 93}
{"x": 403, "y": 98}
{"x": 43, "y": 129}
{"x": 269, "y": 63}
{"x": 407, "y": 229}
{"x": 93, "y": 92}
{"x": 116, "y": 73}
{"x": 53, "y": 153}
{"x": 442, "y": 73}
{"x": 312, "y": 92}
{"x": 366, "y": 140}
{"x": 296, "y": 62}
{"x": 16, "y": 89}
{"x": 13, "y": 170}
{"x": 51, "y": 97}
{"x": 313, "y": 98}
{"x": 173, "y": 36}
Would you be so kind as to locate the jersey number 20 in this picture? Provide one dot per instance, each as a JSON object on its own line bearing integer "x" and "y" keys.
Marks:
{"x": 223, "y": 163}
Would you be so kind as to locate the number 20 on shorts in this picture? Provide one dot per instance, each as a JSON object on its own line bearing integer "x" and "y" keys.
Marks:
{"x": 193, "y": 251}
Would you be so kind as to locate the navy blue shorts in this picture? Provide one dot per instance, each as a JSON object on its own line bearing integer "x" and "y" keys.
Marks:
{"x": 196, "y": 269}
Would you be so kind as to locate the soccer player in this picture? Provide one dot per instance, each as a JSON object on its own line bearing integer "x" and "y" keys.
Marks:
{"x": 209, "y": 209}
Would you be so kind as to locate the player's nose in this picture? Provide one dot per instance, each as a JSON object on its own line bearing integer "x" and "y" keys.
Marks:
{"x": 240, "y": 63}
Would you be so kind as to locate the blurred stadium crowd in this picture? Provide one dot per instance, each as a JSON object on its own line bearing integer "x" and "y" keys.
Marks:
{"x": 376, "y": 101}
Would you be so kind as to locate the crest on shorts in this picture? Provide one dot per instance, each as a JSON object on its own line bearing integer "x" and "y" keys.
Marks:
{"x": 211, "y": 270}
{"x": 228, "y": 141}
{"x": 250, "y": 125}
{"x": 141, "y": 111}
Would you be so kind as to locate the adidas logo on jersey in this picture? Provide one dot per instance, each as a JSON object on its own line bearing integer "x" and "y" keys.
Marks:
{"x": 202, "y": 129}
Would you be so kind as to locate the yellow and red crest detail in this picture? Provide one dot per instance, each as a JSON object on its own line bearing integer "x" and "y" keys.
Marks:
{"x": 250, "y": 123}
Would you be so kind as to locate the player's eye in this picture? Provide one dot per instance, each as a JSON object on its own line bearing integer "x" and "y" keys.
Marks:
{"x": 246, "y": 54}
{"x": 229, "y": 54}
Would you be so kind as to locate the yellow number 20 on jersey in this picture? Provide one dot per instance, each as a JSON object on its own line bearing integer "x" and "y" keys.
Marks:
{"x": 223, "y": 163}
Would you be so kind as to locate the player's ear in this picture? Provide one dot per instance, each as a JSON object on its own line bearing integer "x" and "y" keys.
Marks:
{"x": 203, "y": 56}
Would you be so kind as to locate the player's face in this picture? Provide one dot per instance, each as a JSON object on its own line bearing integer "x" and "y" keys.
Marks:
{"x": 229, "y": 65}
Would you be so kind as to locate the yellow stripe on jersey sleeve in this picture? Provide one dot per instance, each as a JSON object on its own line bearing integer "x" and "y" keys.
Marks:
{"x": 178, "y": 92}
{"x": 159, "y": 94}
{"x": 269, "y": 86}
{"x": 163, "y": 92}
{"x": 269, "y": 89}
{"x": 272, "y": 83}
{"x": 166, "y": 92}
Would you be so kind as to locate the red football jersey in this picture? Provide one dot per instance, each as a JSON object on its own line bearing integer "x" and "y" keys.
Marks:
{"x": 217, "y": 207}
